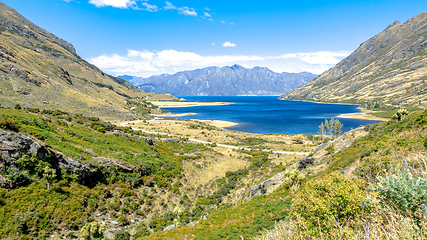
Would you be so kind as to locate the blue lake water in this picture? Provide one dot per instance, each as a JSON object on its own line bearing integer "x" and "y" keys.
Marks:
{"x": 268, "y": 114}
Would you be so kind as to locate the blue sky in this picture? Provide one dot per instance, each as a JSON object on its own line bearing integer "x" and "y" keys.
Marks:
{"x": 147, "y": 37}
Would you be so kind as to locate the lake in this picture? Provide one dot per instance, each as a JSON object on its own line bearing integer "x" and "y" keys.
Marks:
{"x": 268, "y": 114}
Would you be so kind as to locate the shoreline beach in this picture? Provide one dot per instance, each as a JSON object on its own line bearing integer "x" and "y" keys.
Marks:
{"x": 168, "y": 104}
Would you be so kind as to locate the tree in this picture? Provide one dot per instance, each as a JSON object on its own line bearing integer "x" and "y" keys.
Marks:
{"x": 400, "y": 114}
{"x": 337, "y": 129}
{"x": 322, "y": 129}
{"x": 49, "y": 175}
{"x": 332, "y": 127}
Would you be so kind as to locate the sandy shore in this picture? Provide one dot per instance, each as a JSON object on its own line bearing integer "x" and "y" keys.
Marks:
{"x": 174, "y": 115}
{"x": 161, "y": 104}
{"x": 217, "y": 123}
{"x": 362, "y": 115}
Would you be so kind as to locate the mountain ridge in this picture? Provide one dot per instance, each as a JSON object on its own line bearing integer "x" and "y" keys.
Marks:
{"x": 389, "y": 68}
{"x": 41, "y": 70}
{"x": 222, "y": 81}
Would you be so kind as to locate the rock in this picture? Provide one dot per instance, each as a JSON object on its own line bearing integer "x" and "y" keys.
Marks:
{"x": 190, "y": 224}
{"x": 303, "y": 163}
{"x": 174, "y": 139}
{"x": 268, "y": 185}
{"x": 170, "y": 227}
{"x": 111, "y": 162}
{"x": 148, "y": 140}
{"x": 4, "y": 183}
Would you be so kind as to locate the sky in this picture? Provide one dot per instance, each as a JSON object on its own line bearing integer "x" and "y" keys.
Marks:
{"x": 151, "y": 37}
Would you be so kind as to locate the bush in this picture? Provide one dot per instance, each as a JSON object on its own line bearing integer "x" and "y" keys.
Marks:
{"x": 122, "y": 235}
{"x": 8, "y": 125}
{"x": 141, "y": 231}
{"x": 92, "y": 230}
{"x": 322, "y": 203}
{"x": 403, "y": 190}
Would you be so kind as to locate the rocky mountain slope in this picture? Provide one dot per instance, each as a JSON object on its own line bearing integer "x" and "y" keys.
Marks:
{"x": 390, "y": 68}
{"x": 224, "y": 81}
{"x": 40, "y": 70}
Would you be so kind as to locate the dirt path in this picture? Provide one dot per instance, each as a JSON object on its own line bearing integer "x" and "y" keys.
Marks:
{"x": 206, "y": 142}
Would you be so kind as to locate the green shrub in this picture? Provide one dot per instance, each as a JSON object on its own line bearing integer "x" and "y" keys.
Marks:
{"x": 92, "y": 230}
{"x": 322, "y": 203}
{"x": 122, "y": 235}
{"x": 18, "y": 107}
{"x": 32, "y": 164}
{"x": 141, "y": 231}
{"x": 8, "y": 125}
{"x": 402, "y": 190}
{"x": 122, "y": 220}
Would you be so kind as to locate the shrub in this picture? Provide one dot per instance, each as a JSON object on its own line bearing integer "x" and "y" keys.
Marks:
{"x": 321, "y": 203}
{"x": 141, "y": 231}
{"x": 18, "y": 107}
{"x": 122, "y": 235}
{"x": 403, "y": 190}
{"x": 92, "y": 230}
{"x": 8, "y": 125}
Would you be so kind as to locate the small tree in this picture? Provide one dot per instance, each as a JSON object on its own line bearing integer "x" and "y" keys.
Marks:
{"x": 49, "y": 175}
{"x": 322, "y": 129}
{"x": 332, "y": 127}
{"x": 400, "y": 114}
{"x": 337, "y": 129}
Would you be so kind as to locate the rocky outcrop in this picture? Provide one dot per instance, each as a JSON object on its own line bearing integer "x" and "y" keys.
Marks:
{"x": 303, "y": 163}
{"x": 13, "y": 145}
{"x": 223, "y": 81}
{"x": 268, "y": 185}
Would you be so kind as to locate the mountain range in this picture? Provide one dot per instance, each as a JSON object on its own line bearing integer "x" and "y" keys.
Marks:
{"x": 223, "y": 81}
{"x": 40, "y": 70}
{"x": 389, "y": 68}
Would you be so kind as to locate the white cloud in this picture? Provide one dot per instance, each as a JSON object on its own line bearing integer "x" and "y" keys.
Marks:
{"x": 187, "y": 11}
{"x": 229, "y": 44}
{"x": 147, "y": 63}
{"x": 169, "y": 6}
{"x": 207, "y": 14}
{"x": 114, "y": 3}
{"x": 213, "y": 44}
{"x": 149, "y": 7}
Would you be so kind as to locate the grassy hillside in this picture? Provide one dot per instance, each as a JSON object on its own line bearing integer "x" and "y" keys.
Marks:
{"x": 389, "y": 69}
{"x": 40, "y": 70}
{"x": 121, "y": 181}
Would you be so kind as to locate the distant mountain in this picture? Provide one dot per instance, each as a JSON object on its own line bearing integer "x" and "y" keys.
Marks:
{"x": 223, "y": 81}
{"x": 40, "y": 70}
{"x": 390, "y": 68}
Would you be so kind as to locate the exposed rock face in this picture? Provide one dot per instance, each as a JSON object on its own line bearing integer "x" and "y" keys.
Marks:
{"x": 13, "y": 145}
{"x": 391, "y": 67}
{"x": 226, "y": 81}
{"x": 268, "y": 185}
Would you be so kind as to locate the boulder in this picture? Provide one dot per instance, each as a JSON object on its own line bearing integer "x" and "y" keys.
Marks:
{"x": 303, "y": 163}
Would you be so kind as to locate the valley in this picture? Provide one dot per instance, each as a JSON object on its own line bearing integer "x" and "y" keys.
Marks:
{"x": 87, "y": 155}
